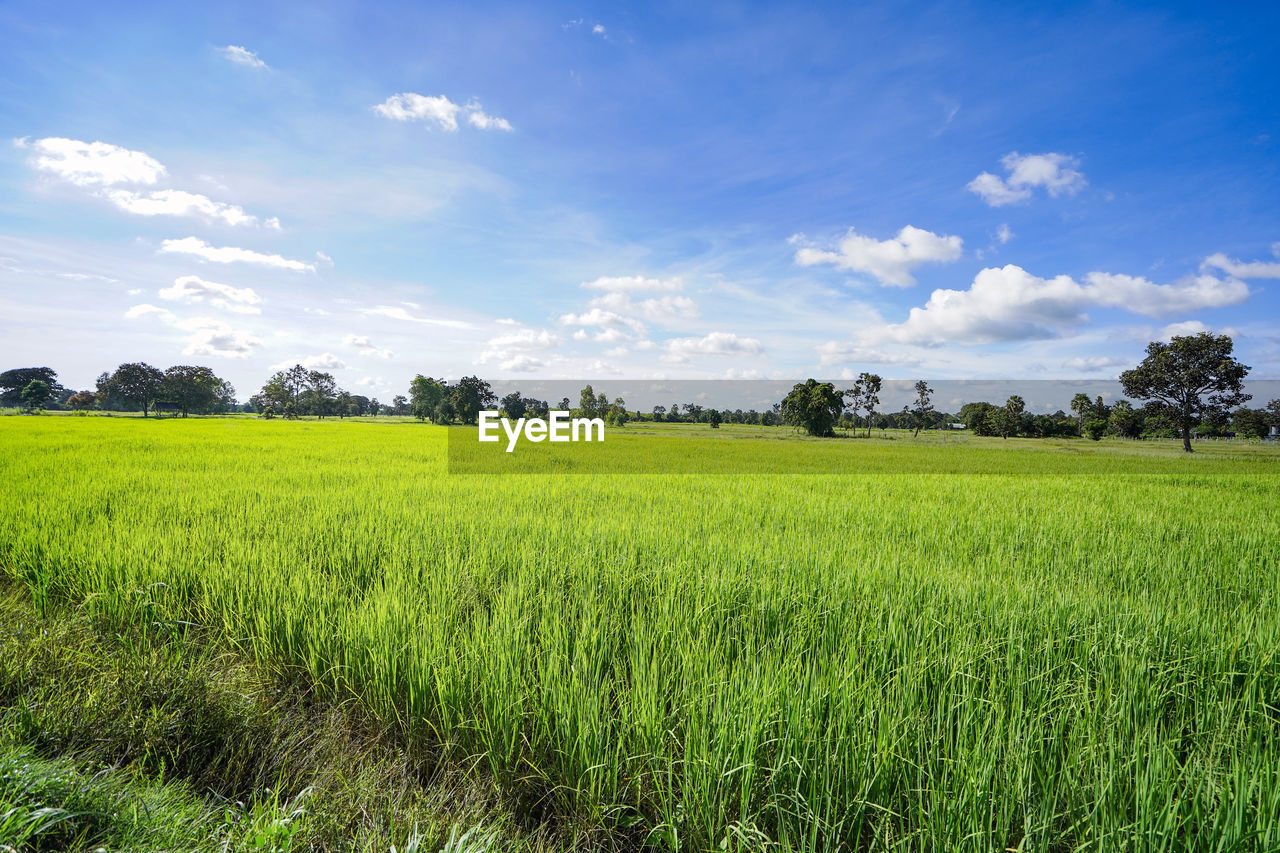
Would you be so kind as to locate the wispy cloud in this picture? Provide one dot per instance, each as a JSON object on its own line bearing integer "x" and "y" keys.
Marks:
{"x": 242, "y": 56}
{"x": 439, "y": 111}
{"x": 92, "y": 164}
{"x": 190, "y": 288}
{"x": 889, "y": 261}
{"x": 230, "y": 254}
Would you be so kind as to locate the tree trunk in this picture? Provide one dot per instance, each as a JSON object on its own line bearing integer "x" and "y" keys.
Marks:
{"x": 1186, "y": 439}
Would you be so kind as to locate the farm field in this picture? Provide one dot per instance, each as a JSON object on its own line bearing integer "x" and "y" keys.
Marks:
{"x": 945, "y": 643}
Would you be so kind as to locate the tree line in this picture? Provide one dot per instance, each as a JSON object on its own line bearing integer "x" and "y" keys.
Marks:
{"x": 1189, "y": 386}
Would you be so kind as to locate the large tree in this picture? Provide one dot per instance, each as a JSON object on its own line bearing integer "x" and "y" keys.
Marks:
{"x": 321, "y": 392}
{"x": 136, "y": 383}
{"x": 514, "y": 405}
{"x": 36, "y": 395}
{"x": 427, "y": 397}
{"x": 193, "y": 388}
{"x": 1191, "y": 378}
{"x": 12, "y": 383}
{"x": 813, "y": 405}
{"x": 469, "y": 396}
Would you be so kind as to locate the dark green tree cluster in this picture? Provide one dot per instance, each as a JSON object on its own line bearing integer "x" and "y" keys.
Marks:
{"x": 440, "y": 402}
{"x": 182, "y": 389}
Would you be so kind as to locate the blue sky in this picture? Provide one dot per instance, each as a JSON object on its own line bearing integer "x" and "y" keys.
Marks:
{"x": 951, "y": 190}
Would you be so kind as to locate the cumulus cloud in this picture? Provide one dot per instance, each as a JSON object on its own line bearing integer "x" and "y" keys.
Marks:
{"x": 146, "y": 310}
{"x": 221, "y": 341}
{"x": 182, "y": 203}
{"x": 714, "y": 344}
{"x": 99, "y": 167}
{"x": 242, "y": 56}
{"x": 395, "y": 312}
{"x": 1056, "y": 173}
{"x": 1186, "y": 327}
{"x": 516, "y": 352}
{"x": 190, "y": 288}
{"x": 1093, "y": 364}
{"x": 323, "y": 361}
{"x": 208, "y": 336}
{"x": 618, "y": 316}
{"x": 841, "y": 352}
{"x": 889, "y": 261}
{"x": 437, "y": 110}
{"x": 92, "y": 164}
{"x": 229, "y": 254}
{"x": 476, "y": 117}
{"x": 1009, "y": 303}
{"x": 363, "y": 344}
{"x": 1004, "y": 233}
{"x": 1247, "y": 269}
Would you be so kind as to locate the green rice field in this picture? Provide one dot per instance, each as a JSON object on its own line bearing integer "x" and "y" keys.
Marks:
{"x": 942, "y": 643}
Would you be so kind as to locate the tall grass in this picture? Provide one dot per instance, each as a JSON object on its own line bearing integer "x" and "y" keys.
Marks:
{"x": 1035, "y": 661}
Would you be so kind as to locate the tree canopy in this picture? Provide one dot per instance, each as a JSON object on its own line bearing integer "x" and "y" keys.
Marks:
{"x": 1191, "y": 378}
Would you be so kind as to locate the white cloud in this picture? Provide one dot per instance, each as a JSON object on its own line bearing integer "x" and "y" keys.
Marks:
{"x": 522, "y": 363}
{"x": 1004, "y": 233}
{"x": 219, "y": 340}
{"x": 507, "y": 321}
{"x": 182, "y": 203}
{"x": 889, "y": 261}
{"x": 324, "y": 259}
{"x": 598, "y": 29}
{"x": 714, "y": 344}
{"x": 1249, "y": 269}
{"x": 190, "y": 288}
{"x": 323, "y": 361}
{"x": 840, "y": 352}
{"x": 1092, "y": 364}
{"x": 1009, "y": 303}
{"x": 1187, "y": 327}
{"x": 89, "y": 164}
{"x": 478, "y": 118}
{"x": 513, "y": 352}
{"x": 438, "y": 110}
{"x": 410, "y": 106}
{"x": 1057, "y": 173}
{"x": 397, "y": 313}
{"x": 230, "y": 254}
{"x": 208, "y": 336}
{"x": 995, "y": 192}
{"x": 1141, "y": 296}
{"x": 145, "y": 310}
{"x": 363, "y": 344}
{"x": 242, "y": 56}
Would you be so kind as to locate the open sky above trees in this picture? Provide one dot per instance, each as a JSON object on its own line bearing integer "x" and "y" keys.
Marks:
{"x": 585, "y": 191}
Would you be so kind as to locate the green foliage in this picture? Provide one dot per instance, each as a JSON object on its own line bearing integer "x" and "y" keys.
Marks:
{"x": 36, "y": 395}
{"x": 137, "y": 384}
{"x": 1095, "y": 428}
{"x": 813, "y": 406}
{"x": 14, "y": 382}
{"x": 469, "y": 396}
{"x": 1193, "y": 378}
{"x": 1028, "y": 657}
{"x": 148, "y": 735}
